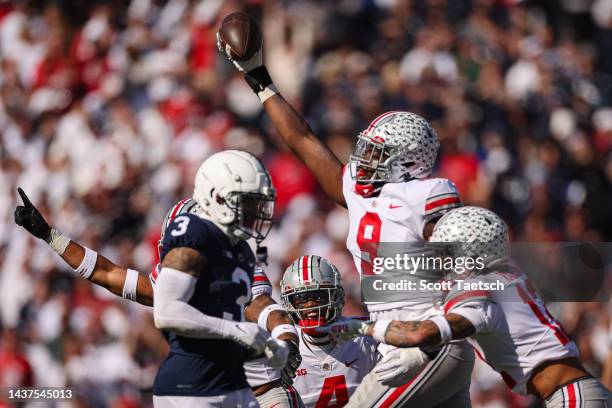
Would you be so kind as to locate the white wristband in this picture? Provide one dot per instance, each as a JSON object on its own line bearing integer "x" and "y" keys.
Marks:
{"x": 380, "y": 328}
{"x": 58, "y": 241}
{"x": 268, "y": 92}
{"x": 445, "y": 330}
{"x": 130, "y": 285}
{"x": 282, "y": 329}
{"x": 262, "y": 320}
{"x": 88, "y": 263}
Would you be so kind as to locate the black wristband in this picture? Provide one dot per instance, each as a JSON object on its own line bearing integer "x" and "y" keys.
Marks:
{"x": 431, "y": 353}
{"x": 258, "y": 79}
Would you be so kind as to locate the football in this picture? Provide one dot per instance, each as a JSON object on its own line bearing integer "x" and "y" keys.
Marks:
{"x": 241, "y": 34}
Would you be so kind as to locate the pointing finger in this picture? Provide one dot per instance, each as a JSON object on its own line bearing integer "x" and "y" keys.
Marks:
{"x": 24, "y": 197}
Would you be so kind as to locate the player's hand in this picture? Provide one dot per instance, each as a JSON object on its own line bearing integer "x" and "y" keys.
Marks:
{"x": 255, "y": 61}
{"x": 345, "y": 330}
{"x": 277, "y": 352}
{"x": 249, "y": 335}
{"x": 29, "y": 217}
{"x": 293, "y": 363}
{"x": 400, "y": 365}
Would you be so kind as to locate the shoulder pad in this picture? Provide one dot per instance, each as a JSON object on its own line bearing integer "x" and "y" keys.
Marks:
{"x": 191, "y": 231}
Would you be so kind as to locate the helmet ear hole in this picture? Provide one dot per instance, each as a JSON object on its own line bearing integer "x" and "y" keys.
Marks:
{"x": 219, "y": 199}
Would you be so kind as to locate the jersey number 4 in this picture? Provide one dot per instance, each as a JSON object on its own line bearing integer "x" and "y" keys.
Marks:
{"x": 368, "y": 238}
{"x": 333, "y": 385}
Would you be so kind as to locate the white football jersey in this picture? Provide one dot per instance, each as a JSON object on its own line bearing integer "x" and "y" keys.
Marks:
{"x": 329, "y": 374}
{"x": 257, "y": 371}
{"x": 398, "y": 214}
{"x": 515, "y": 332}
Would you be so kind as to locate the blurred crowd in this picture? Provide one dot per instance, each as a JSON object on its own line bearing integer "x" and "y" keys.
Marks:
{"x": 107, "y": 108}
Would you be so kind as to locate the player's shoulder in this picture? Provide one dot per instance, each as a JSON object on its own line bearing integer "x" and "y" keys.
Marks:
{"x": 433, "y": 187}
{"x": 191, "y": 224}
{"x": 192, "y": 231}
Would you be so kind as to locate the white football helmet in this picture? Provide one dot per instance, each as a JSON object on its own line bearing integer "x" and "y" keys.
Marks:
{"x": 235, "y": 191}
{"x": 312, "y": 279}
{"x": 396, "y": 147}
{"x": 476, "y": 231}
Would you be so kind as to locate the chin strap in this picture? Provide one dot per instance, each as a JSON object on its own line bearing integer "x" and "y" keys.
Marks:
{"x": 262, "y": 254}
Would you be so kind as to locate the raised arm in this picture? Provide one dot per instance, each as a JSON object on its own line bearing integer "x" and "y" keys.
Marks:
{"x": 292, "y": 127}
{"x": 296, "y": 133}
{"x": 121, "y": 281}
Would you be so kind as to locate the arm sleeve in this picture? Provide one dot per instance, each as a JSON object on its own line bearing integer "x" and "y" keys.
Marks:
{"x": 171, "y": 312}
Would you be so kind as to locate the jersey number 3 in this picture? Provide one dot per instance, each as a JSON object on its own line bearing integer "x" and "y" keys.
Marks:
{"x": 333, "y": 385}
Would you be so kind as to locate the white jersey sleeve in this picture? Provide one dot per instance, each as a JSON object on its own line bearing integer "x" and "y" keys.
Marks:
{"x": 261, "y": 284}
{"x": 474, "y": 305}
{"x": 441, "y": 198}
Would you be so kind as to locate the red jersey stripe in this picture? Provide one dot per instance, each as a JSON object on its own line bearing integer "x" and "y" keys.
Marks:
{"x": 571, "y": 393}
{"x": 443, "y": 201}
{"x": 463, "y": 296}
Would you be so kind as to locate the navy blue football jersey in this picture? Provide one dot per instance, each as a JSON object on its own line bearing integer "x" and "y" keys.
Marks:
{"x": 207, "y": 367}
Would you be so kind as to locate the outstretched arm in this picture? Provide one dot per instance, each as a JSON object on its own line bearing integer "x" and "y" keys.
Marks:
{"x": 96, "y": 268}
{"x": 109, "y": 275}
{"x": 424, "y": 333}
{"x": 296, "y": 133}
{"x": 431, "y": 332}
{"x": 292, "y": 127}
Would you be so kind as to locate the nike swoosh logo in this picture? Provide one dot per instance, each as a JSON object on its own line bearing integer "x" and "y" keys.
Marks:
{"x": 275, "y": 405}
{"x": 351, "y": 362}
{"x": 391, "y": 206}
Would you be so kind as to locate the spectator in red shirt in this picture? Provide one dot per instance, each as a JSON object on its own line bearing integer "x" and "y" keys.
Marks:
{"x": 15, "y": 370}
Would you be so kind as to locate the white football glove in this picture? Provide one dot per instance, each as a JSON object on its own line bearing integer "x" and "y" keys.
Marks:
{"x": 277, "y": 352}
{"x": 248, "y": 335}
{"x": 400, "y": 365}
{"x": 256, "y": 60}
{"x": 345, "y": 330}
